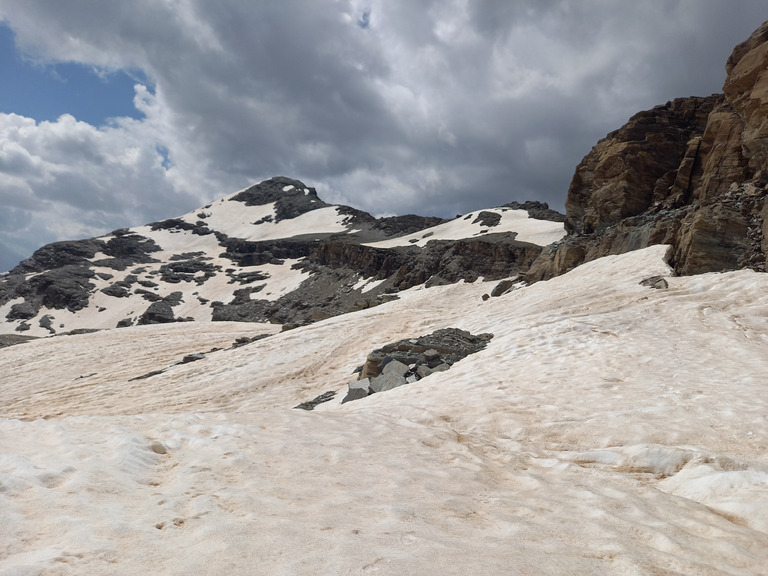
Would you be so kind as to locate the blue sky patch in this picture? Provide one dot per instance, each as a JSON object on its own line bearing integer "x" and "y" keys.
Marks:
{"x": 365, "y": 20}
{"x": 45, "y": 92}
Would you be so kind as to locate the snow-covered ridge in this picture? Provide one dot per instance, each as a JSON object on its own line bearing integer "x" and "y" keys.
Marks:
{"x": 539, "y": 232}
{"x": 258, "y": 222}
{"x": 247, "y": 256}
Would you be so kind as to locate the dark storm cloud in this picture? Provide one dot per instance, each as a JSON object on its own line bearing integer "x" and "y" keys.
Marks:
{"x": 392, "y": 106}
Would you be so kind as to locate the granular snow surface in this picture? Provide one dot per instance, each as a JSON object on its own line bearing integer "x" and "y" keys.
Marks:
{"x": 607, "y": 428}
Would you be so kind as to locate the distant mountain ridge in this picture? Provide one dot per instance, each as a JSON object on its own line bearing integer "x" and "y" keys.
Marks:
{"x": 274, "y": 252}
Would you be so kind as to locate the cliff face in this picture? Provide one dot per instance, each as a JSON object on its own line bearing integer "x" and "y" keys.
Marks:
{"x": 746, "y": 89}
{"x": 691, "y": 173}
{"x": 635, "y": 166}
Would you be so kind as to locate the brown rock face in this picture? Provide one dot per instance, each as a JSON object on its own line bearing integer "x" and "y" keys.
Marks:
{"x": 746, "y": 88}
{"x": 713, "y": 234}
{"x": 619, "y": 176}
{"x": 720, "y": 159}
{"x": 692, "y": 173}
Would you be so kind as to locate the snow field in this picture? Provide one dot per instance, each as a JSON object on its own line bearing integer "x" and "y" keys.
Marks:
{"x": 56, "y": 375}
{"x": 237, "y": 220}
{"x": 608, "y": 428}
{"x": 105, "y": 311}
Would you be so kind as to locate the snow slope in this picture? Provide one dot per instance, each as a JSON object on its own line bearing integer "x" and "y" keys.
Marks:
{"x": 539, "y": 232}
{"x": 608, "y": 428}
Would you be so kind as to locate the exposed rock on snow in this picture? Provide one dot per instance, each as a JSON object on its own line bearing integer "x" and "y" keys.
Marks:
{"x": 503, "y": 287}
{"x": 13, "y": 339}
{"x": 291, "y": 198}
{"x": 489, "y": 219}
{"x": 67, "y": 287}
{"x": 22, "y": 311}
{"x": 537, "y": 210}
{"x": 324, "y": 397}
{"x": 411, "y": 359}
{"x": 657, "y": 282}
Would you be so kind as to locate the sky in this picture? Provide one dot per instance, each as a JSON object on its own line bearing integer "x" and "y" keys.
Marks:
{"x": 115, "y": 114}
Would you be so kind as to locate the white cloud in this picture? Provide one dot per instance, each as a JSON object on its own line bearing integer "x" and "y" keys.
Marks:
{"x": 67, "y": 179}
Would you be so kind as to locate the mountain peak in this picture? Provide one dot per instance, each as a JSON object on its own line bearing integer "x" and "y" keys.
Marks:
{"x": 292, "y": 198}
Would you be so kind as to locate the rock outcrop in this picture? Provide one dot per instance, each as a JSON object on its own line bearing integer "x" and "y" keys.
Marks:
{"x": 637, "y": 165}
{"x": 409, "y": 360}
{"x": 691, "y": 173}
{"x": 13, "y": 339}
{"x": 746, "y": 88}
{"x": 537, "y": 210}
{"x": 492, "y": 256}
{"x": 291, "y": 197}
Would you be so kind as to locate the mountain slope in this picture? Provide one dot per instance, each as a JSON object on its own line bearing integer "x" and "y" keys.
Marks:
{"x": 601, "y": 431}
